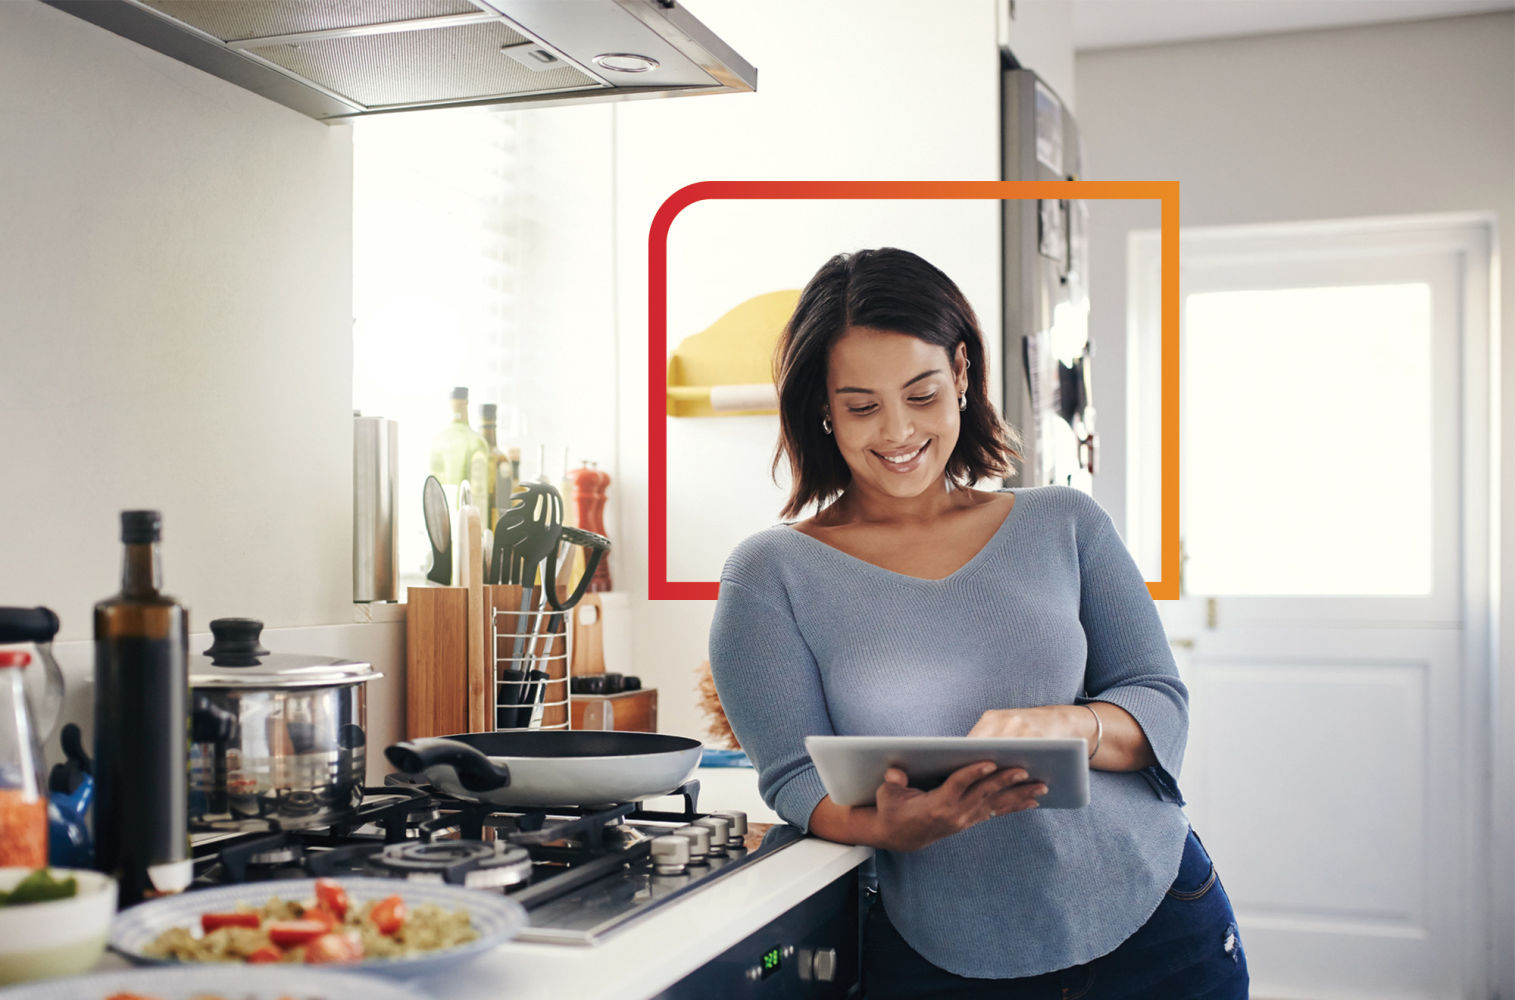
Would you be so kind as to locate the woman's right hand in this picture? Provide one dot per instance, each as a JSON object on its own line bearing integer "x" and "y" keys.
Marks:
{"x": 909, "y": 818}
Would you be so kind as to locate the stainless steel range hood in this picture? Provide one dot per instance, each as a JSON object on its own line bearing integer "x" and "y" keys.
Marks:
{"x": 337, "y": 60}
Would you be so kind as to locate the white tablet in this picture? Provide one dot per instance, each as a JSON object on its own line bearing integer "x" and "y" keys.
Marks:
{"x": 852, "y": 767}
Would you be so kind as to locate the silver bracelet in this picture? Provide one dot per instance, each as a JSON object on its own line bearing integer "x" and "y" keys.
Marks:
{"x": 1099, "y": 730}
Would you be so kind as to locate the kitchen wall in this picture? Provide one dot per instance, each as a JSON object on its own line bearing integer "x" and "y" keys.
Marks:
{"x": 176, "y": 331}
{"x": 1412, "y": 117}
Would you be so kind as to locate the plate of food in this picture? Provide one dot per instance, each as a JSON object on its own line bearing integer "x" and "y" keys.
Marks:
{"x": 370, "y": 924}
{"x": 217, "y": 982}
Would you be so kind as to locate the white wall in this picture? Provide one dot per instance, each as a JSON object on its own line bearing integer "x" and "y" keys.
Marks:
{"x": 866, "y": 90}
{"x": 1402, "y": 118}
{"x": 175, "y": 334}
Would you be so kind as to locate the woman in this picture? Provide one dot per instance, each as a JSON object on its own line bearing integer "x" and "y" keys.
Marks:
{"x": 912, "y": 604}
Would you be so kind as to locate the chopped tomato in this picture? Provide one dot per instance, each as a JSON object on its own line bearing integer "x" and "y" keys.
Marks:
{"x": 333, "y": 897}
{"x": 130, "y": 996}
{"x": 321, "y": 913}
{"x": 334, "y": 947}
{"x": 216, "y": 921}
{"x": 286, "y": 933}
{"x": 388, "y": 915}
{"x": 267, "y": 953}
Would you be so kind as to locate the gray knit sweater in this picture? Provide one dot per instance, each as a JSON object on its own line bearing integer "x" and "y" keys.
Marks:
{"x": 1052, "y": 611}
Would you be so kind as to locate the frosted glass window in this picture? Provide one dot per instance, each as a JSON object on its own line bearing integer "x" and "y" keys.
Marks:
{"x": 1307, "y": 441}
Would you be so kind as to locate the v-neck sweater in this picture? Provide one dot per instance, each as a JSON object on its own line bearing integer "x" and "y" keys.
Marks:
{"x": 1053, "y": 610}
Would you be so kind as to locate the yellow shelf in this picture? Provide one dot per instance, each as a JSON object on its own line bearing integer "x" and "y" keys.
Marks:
{"x": 726, "y": 369}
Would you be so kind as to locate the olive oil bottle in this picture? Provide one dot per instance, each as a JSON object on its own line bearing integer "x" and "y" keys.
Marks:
{"x": 142, "y": 724}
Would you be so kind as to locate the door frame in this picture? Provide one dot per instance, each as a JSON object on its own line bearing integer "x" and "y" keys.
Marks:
{"x": 1489, "y": 738}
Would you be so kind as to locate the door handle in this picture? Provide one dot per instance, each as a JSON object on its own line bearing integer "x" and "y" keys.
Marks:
{"x": 1181, "y": 643}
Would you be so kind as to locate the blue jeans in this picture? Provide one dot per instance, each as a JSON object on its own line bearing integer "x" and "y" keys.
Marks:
{"x": 1189, "y": 949}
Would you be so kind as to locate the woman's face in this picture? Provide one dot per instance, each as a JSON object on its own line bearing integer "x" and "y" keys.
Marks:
{"x": 893, "y": 408}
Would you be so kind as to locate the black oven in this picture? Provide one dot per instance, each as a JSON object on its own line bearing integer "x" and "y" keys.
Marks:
{"x": 810, "y": 950}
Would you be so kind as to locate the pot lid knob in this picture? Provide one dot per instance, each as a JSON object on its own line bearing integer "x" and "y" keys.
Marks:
{"x": 236, "y": 642}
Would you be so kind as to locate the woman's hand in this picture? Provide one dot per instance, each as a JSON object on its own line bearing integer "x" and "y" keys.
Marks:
{"x": 1122, "y": 746}
{"x": 1043, "y": 722}
{"x": 909, "y": 818}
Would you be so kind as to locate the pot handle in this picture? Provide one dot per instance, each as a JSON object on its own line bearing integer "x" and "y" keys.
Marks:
{"x": 475, "y": 771}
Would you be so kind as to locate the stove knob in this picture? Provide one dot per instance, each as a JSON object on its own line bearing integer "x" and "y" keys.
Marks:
{"x": 738, "y": 821}
{"x": 670, "y": 854}
{"x": 823, "y": 965}
{"x": 699, "y": 843}
{"x": 720, "y": 833}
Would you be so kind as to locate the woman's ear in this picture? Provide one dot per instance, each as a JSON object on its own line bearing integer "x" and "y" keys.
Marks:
{"x": 960, "y": 366}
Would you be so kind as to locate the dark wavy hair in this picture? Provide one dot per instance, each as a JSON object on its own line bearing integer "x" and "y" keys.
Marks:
{"x": 886, "y": 289}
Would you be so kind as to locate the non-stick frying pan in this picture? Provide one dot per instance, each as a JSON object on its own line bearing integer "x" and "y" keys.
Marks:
{"x": 551, "y": 767}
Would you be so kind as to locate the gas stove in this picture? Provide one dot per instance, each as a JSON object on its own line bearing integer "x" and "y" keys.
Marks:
{"x": 581, "y": 874}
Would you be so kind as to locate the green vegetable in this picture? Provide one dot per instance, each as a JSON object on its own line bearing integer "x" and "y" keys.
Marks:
{"x": 39, "y": 887}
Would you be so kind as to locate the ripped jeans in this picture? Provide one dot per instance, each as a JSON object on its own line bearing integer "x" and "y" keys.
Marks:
{"x": 1189, "y": 949}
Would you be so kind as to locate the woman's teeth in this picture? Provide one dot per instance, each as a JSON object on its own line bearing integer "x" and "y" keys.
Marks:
{"x": 901, "y": 459}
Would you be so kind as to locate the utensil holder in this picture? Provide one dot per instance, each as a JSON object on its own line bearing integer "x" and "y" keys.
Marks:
{"x": 523, "y": 641}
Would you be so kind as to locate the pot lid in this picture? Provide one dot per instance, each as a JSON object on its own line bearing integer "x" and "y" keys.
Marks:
{"x": 238, "y": 659}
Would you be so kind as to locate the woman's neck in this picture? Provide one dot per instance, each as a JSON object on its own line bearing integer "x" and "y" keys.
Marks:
{"x": 859, "y": 504}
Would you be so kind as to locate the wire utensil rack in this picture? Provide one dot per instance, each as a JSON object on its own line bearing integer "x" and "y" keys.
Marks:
{"x": 530, "y": 652}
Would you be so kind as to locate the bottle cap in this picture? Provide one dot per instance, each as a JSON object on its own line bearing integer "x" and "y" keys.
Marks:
{"x": 460, "y": 392}
{"x": 138, "y": 527}
{"x": 489, "y": 410}
{"x": 14, "y": 658}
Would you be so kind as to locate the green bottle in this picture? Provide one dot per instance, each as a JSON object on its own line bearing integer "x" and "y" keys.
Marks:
{"x": 459, "y": 454}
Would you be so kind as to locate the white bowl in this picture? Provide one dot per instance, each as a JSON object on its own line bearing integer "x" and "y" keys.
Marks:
{"x": 61, "y": 937}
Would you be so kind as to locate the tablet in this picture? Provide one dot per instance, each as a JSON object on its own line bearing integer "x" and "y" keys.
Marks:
{"x": 852, "y": 767}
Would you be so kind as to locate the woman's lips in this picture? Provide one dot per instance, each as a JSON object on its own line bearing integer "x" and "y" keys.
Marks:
{"x": 908, "y": 466}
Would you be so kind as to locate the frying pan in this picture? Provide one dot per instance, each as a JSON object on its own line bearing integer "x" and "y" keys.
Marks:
{"x": 551, "y": 767}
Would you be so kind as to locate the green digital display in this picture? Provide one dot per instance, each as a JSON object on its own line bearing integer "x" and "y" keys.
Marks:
{"x": 772, "y": 959}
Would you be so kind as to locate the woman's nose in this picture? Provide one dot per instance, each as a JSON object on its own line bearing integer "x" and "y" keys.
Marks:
{"x": 899, "y": 425}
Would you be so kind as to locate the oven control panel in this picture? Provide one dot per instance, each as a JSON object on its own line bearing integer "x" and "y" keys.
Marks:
{"x": 809, "y": 951}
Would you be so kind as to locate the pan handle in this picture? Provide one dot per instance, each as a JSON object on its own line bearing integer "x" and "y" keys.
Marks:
{"x": 476, "y": 772}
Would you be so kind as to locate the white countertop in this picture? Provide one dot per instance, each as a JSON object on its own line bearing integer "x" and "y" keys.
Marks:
{"x": 660, "y": 949}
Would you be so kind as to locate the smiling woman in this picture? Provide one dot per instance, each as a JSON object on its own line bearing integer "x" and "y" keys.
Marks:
{"x": 913, "y": 604}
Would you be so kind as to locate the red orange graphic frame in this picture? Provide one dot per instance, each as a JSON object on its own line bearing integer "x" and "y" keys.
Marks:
{"x": 659, "y": 587}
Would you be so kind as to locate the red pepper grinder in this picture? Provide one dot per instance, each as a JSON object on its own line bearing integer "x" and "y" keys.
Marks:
{"x": 601, "y": 580}
{"x": 589, "y": 501}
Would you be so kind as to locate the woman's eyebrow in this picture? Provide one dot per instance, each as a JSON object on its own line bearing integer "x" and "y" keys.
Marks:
{"x": 925, "y": 374}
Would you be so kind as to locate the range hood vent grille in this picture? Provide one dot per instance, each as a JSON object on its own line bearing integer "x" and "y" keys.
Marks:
{"x": 336, "y": 60}
{"x": 443, "y": 64}
{"x": 235, "y": 22}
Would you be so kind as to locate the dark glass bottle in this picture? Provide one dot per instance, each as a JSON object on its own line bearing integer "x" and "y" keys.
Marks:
{"x": 141, "y": 724}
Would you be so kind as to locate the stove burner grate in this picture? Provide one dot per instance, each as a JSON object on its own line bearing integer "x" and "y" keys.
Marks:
{"x": 470, "y": 863}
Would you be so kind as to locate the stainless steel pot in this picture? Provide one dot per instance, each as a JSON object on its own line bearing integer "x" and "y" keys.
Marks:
{"x": 277, "y": 740}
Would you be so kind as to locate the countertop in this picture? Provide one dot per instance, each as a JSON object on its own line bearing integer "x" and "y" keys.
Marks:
{"x": 656, "y": 951}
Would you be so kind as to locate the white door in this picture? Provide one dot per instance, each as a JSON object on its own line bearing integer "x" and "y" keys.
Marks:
{"x": 1334, "y": 628}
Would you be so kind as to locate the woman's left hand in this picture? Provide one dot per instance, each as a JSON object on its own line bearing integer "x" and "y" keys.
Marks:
{"x": 1042, "y": 722}
{"x": 1121, "y": 744}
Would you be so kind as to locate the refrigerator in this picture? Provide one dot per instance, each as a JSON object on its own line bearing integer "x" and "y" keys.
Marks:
{"x": 1046, "y": 347}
